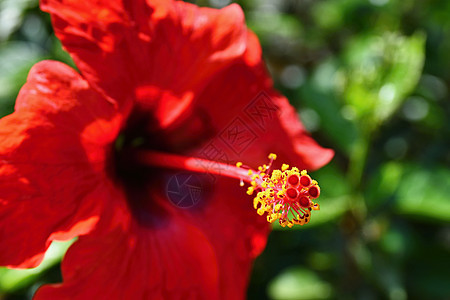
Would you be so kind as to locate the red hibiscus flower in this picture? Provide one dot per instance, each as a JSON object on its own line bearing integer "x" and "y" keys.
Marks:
{"x": 154, "y": 76}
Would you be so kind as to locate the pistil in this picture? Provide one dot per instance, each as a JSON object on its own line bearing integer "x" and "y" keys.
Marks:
{"x": 285, "y": 195}
{"x": 174, "y": 161}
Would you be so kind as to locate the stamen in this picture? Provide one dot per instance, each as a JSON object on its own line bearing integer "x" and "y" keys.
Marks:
{"x": 285, "y": 195}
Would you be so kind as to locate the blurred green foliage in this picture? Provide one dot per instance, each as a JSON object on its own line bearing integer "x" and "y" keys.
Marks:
{"x": 371, "y": 80}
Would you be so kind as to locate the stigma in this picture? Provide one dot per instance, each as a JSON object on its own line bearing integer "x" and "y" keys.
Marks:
{"x": 286, "y": 195}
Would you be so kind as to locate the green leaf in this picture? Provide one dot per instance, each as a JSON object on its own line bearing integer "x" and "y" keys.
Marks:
{"x": 384, "y": 184}
{"x": 319, "y": 94}
{"x": 16, "y": 59}
{"x": 11, "y": 13}
{"x": 379, "y": 71}
{"x": 299, "y": 283}
{"x": 424, "y": 193}
{"x": 266, "y": 25}
{"x": 14, "y": 279}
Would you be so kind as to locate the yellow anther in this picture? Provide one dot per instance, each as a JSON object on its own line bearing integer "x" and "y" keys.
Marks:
{"x": 250, "y": 172}
{"x": 272, "y": 156}
{"x": 284, "y": 167}
{"x": 264, "y": 184}
{"x": 303, "y": 172}
{"x": 250, "y": 190}
{"x": 314, "y": 182}
{"x": 253, "y": 183}
{"x": 290, "y": 224}
{"x": 278, "y": 207}
{"x": 272, "y": 217}
{"x": 239, "y": 164}
{"x": 298, "y": 221}
{"x": 276, "y": 175}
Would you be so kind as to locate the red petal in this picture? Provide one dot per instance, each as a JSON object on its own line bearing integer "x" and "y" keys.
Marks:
{"x": 242, "y": 99}
{"x": 237, "y": 233}
{"x": 159, "y": 52}
{"x": 51, "y": 151}
{"x": 173, "y": 260}
{"x": 204, "y": 252}
{"x": 292, "y": 141}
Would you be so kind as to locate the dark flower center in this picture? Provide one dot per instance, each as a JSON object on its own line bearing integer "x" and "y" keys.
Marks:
{"x": 137, "y": 180}
{"x": 143, "y": 183}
